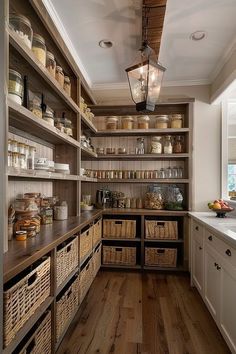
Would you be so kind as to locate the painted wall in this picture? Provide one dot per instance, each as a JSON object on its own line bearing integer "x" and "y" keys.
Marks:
{"x": 206, "y": 140}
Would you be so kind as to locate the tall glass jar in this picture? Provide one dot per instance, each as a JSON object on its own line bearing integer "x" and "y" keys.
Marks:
{"x": 174, "y": 198}
{"x": 59, "y": 75}
{"x": 178, "y": 146}
{"x": 51, "y": 63}
{"x": 22, "y": 26}
{"x": 31, "y": 158}
{"x": 15, "y": 86}
{"x": 143, "y": 122}
{"x": 161, "y": 122}
{"x": 48, "y": 116}
{"x": 156, "y": 145}
{"x": 154, "y": 198}
{"x": 39, "y": 48}
{"x": 176, "y": 121}
{"x": 140, "y": 150}
{"x": 67, "y": 85}
{"x": 168, "y": 145}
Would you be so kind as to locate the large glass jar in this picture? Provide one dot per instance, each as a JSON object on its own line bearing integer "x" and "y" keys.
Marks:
{"x": 154, "y": 198}
{"x": 168, "y": 145}
{"x": 156, "y": 145}
{"x": 112, "y": 123}
{"x": 51, "y": 63}
{"x": 67, "y": 85}
{"x": 68, "y": 127}
{"x": 176, "y": 121}
{"x": 59, "y": 75}
{"x": 140, "y": 149}
{"x": 178, "y": 146}
{"x": 22, "y": 26}
{"x": 35, "y": 107}
{"x": 161, "y": 122}
{"x": 127, "y": 123}
{"x": 48, "y": 116}
{"x": 15, "y": 86}
{"x": 143, "y": 122}
{"x": 174, "y": 198}
{"x": 39, "y": 48}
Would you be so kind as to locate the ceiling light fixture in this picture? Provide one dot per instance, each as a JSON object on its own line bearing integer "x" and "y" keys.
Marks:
{"x": 198, "y": 35}
{"x": 145, "y": 75}
{"x": 105, "y": 43}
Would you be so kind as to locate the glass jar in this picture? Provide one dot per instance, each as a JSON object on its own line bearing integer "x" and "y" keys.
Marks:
{"x": 168, "y": 172}
{"x": 9, "y": 146}
{"x": 35, "y": 108}
{"x": 81, "y": 104}
{"x": 14, "y": 145}
{"x": 22, "y": 26}
{"x": 39, "y": 48}
{"x": 26, "y": 154}
{"x": 22, "y": 161}
{"x": 51, "y": 63}
{"x": 68, "y": 127}
{"x": 59, "y": 76}
{"x": 21, "y": 148}
{"x": 59, "y": 124}
{"x": 121, "y": 203}
{"x": 139, "y": 203}
{"x": 15, "y": 160}
{"x": 180, "y": 172}
{"x": 127, "y": 203}
{"x": 174, "y": 198}
{"x": 21, "y": 235}
{"x": 174, "y": 172}
{"x": 133, "y": 203}
{"x": 161, "y": 122}
{"x": 121, "y": 150}
{"x": 127, "y": 123}
{"x": 31, "y": 158}
{"x": 15, "y": 86}
{"x": 156, "y": 145}
{"x": 67, "y": 85}
{"x": 9, "y": 159}
{"x": 154, "y": 198}
{"x": 176, "y": 121}
{"x": 143, "y": 122}
{"x": 48, "y": 116}
{"x": 162, "y": 173}
{"x": 168, "y": 146}
{"x": 111, "y": 123}
{"x": 178, "y": 146}
{"x": 139, "y": 150}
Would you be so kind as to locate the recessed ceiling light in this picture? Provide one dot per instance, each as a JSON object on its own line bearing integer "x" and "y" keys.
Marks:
{"x": 105, "y": 43}
{"x": 198, "y": 35}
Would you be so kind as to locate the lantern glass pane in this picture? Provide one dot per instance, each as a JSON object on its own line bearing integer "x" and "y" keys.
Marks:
{"x": 138, "y": 83}
{"x": 154, "y": 84}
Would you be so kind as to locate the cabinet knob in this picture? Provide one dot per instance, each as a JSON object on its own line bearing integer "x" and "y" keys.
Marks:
{"x": 196, "y": 228}
{"x": 200, "y": 248}
{"x": 218, "y": 267}
{"x": 228, "y": 252}
{"x": 210, "y": 238}
{"x": 216, "y": 264}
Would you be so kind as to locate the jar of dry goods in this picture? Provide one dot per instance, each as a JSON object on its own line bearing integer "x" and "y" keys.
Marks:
{"x": 100, "y": 151}
{"x": 14, "y": 144}
{"x": 39, "y": 48}
{"x": 133, "y": 203}
{"x": 46, "y": 214}
{"x": 30, "y": 230}
{"x": 122, "y": 150}
{"x": 9, "y": 146}
{"x": 22, "y": 26}
{"x": 67, "y": 85}
{"x": 110, "y": 151}
{"x": 31, "y": 158}
{"x": 21, "y": 235}
{"x": 127, "y": 123}
{"x": 48, "y": 116}
{"x": 143, "y": 122}
{"x": 21, "y": 148}
{"x": 59, "y": 124}
{"x": 168, "y": 145}
{"x": 156, "y": 145}
{"x": 138, "y": 174}
{"x": 176, "y": 121}
{"x": 112, "y": 123}
{"x": 178, "y": 146}
{"x": 51, "y": 63}
{"x": 61, "y": 211}
{"x": 9, "y": 159}
{"x": 59, "y": 76}
{"x": 15, "y": 86}
{"x": 121, "y": 203}
{"x": 68, "y": 127}
{"x": 139, "y": 203}
{"x": 22, "y": 161}
{"x": 127, "y": 203}
{"x": 161, "y": 122}
{"x": 15, "y": 160}
{"x": 154, "y": 200}
{"x": 81, "y": 104}
{"x": 35, "y": 108}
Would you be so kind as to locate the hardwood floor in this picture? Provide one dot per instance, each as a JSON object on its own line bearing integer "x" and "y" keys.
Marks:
{"x": 131, "y": 313}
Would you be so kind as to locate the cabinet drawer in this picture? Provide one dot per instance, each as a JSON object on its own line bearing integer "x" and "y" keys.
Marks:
{"x": 222, "y": 247}
{"x": 197, "y": 232}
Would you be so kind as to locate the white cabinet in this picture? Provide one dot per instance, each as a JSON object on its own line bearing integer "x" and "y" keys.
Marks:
{"x": 197, "y": 264}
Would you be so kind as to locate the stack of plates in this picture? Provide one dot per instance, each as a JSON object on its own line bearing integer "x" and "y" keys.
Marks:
{"x": 62, "y": 168}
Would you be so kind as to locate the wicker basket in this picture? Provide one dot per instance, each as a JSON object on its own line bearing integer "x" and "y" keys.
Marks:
{"x": 160, "y": 257}
{"x": 97, "y": 260}
{"x": 23, "y": 298}
{"x": 117, "y": 228}
{"x": 67, "y": 260}
{"x": 161, "y": 229}
{"x": 41, "y": 341}
{"x": 97, "y": 232}
{"x": 86, "y": 243}
{"x": 66, "y": 307}
{"x": 86, "y": 279}
{"x": 119, "y": 255}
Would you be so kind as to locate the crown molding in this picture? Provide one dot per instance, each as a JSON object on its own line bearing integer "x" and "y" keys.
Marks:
{"x": 58, "y": 23}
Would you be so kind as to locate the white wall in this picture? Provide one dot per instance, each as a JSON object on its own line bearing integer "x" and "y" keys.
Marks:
{"x": 207, "y": 137}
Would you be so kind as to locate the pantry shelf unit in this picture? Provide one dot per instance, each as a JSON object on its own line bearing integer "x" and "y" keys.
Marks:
{"x": 142, "y": 157}
{"x": 141, "y": 132}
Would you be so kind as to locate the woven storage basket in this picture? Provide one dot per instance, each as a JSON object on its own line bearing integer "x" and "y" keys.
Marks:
{"x": 41, "y": 341}
{"x": 97, "y": 232}
{"x": 22, "y": 299}
{"x": 66, "y": 307}
{"x": 119, "y": 255}
{"x": 161, "y": 257}
{"x": 117, "y": 228}
{"x": 97, "y": 260}
{"x": 86, "y": 279}
{"x": 86, "y": 243}
{"x": 67, "y": 260}
{"x": 161, "y": 229}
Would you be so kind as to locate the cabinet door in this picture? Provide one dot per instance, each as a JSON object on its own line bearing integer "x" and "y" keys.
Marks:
{"x": 197, "y": 265}
{"x": 227, "y": 304}
{"x": 212, "y": 282}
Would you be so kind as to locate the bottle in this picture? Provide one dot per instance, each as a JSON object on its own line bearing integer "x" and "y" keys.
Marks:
{"x": 168, "y": 146}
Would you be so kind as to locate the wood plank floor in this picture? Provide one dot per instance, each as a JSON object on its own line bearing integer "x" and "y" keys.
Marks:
{"x": 133, "y": 313}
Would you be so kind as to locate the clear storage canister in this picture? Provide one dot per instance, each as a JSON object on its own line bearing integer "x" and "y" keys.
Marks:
{"x": 161, "y": 122}
{"x": 35, "y": 108}
{"x": 143, "y": 122}
{"x": 176, "y": 121}
{"x": 48, "y": 116}
{"x": 59, "y": 75}
{"x": 168, "y": 145}
{"x": 51, "y": 63}
{"x": 156, "y": 145}
{"x": 39, "y": 48}
{"x": 112, "y": 123}
{"x": 68, "y": 127}
{"x": 67, "y": 85}
{"x": 127, "y": 123}
{"x": 22, "y": 26}
{"x": 15, "y": 86}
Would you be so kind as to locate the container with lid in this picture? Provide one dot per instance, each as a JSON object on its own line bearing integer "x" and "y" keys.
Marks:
{"x": 68, "y": 129}
{"x": 61, "y": 211}
{"x": 31, "y": 158}
{"x": 67, "y": 85}
{"x": 39, "y": 48}
{"x": 48, "y": 116}
{"x": 161, "y": 122}
{"x": 168, "y": 145}
{"x": 143, "y": 122}
{"x": 51, "y": 63}
{"x": 156, "y": 145}
{"x": 15, "y": 160}
{"x": 112, "y": 123}
{"x": 15, "y": 86}
{"x": 59, "y": 124}
{"x": 59, "y": 75}
{"x": 178, "y": 146}
{"x": 9, "y": 159}
{"x": 154, "y": 198}
{"x": 22, "y": 26}
{"x": 176, "y": 121}
{"x": 140, "y": 150}
{"x": 22, "y": 161}
{"x": 21, "y": 235}
{"x": 127, "y": 123}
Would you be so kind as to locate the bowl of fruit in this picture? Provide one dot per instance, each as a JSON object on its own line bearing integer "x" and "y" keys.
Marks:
{"x": 220, "y": 207}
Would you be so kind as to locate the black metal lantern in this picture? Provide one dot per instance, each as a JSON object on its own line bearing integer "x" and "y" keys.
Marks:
{"x": 145, "y": 78}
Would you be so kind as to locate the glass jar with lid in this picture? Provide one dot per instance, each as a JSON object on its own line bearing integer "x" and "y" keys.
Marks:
{"x": 9, "y": 159}
{"x": 35, "y": 107}
{"x": 48, "y": 116}
{"x": 154, "y": 198}
{"x": 178, "y": 146}
{"x": 22, "y": 26}
{"x": 9, "y": 145}
{"x": 127, "y": 123}
{"x": 15, "y": 86}
{"x": 174, "y": 198}
{"x": 161, "y": 122}
{"x": 39, "y": 48}
{"x": 176, "y": 121}
{"x": 22, "y": 161}
{"x": 81, "y": 104}
{"x": 156, "y": 145}
{"x": 168, "y": 145}
{"x": 140, "y": 149}
{"x": 21, "y": 147}
{"x": 143, "y": 122}
{"x": 67, "y": 85}
{"x": 59, "y": 124}
{"x": 31, "y": 157}
{"x": 15, "y": 160}
{"x": 68, "y": 127}
{"x": 14, "y": 144}
{"x": 51, "y": 63}
{"x": 59, "y": 75}
{"x": 112, "y": 123}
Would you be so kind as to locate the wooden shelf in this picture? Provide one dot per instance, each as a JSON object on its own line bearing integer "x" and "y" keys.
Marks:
{"x": 147, "y": 212}
{"x": 23, "y": 119}
{"x": 31, "y": 59}
{"x": 87, "y": 179}
{"x": 87, "y": 153}
{"x": 137, "y": 239}
{"x": 159, "y": 180}
{"x": 138, "y": 132}
{"x": 163, "y": 241}
{"x": 147, "y": 157}
{"x": 38, "y": 174}
{"x": 87, "y": 123}
{"x": 120, "y": 266}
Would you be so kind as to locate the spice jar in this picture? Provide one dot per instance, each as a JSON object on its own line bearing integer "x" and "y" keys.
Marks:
{"x": 127, "y": 203}
{"x": 176, "y": 121}
{"x": 112, "y": 123}
{"x": 22, "y": 26}
{"x": 59, "y": 76}
{"x": 133, "y": 203}
{"x": 9, "y": 159}
{"x": 39, "y": 48}
{"x": 156, "y": 145}
{"x": 67, "y": 85}
{"x": 35, "y": 108}
{"x": 15, "y": 86}
{"x": 143, "y": 122}
{"x": 21, "y": 235}
{"x": 161, "y": 122}
{"x": 122, "y": 151}
{"x": 110, "y": 151}
{"x": 168, "y": 146}
{"x": 51, "y": 63}
{"x": 139, "y": 203}
{"x": 14, "y": 144}
{"x": 178, "y": 146}
{"x": 127, "y": 123}
{"x": 22, "y": 161}
{"x": 48, "y": 116}
{"x": 15, "y": 160}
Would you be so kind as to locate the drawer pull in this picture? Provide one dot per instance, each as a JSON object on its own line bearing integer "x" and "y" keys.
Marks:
{"x": 228, "y": 252}
{"x": 210, "y": 238}
{"x": 218, "y": 267}
{"x": 216, "y": 264}
{"x": 196, "y": 228}
{"x": 200, "y": 248}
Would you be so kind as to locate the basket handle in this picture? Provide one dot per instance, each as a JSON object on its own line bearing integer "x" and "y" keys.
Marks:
{"x": 32, "y": 279}
{"x": 87, "y": 266}
{"x": 160, "y": 251}
{"x": 68, "y": 249}
{"x": 87, "y": 233}
{"x": 69, "y": 293}
{"x": 30, "y": 347}
{"x": 118, "y": 222}
{"x": 160, "y": 224}
{"x": 119, "y": 249}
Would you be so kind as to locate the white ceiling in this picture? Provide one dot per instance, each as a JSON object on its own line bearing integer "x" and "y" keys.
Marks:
{"x": 85, "y": 23}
